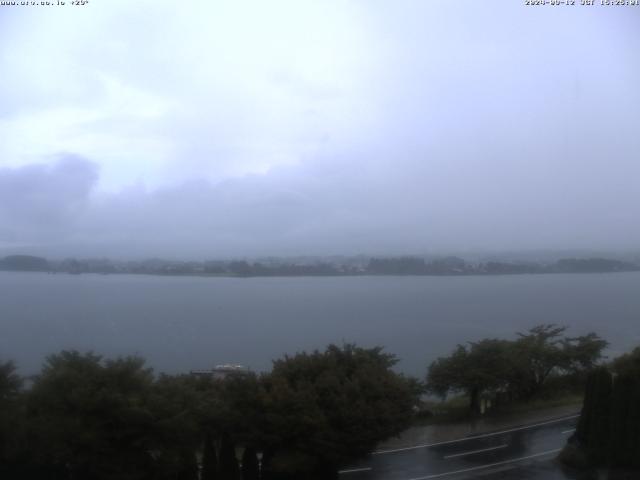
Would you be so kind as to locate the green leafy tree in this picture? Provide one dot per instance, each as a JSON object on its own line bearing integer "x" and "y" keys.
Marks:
{"x": 326, "y": 408}
{"x": 174, "y": 403}
{"x": 628, "y": 363}
{"x": 240, "y": 409}
{"x": 518, "y": 368}
{"x": 89, "y": 418}
{"x": 583, "y": 353}
{"x": 537, "y": 353}
{"x": 10, "y": 383}
{"x": 479, "y": 368}
{"x": 544, "y": 351}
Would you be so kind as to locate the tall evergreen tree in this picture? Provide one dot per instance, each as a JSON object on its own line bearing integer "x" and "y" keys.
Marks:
{"x": 209, "y": 459}
{"x": 188, "y": 465}
{"x": 594, "y": 425}
{"x": 249, "y": 464}
{"x": 229, "y": 469}
{"x": 608, "y": 432}
{"x": 12, "y": 425}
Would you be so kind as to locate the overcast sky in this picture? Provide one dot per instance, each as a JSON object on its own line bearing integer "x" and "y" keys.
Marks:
{"x": 209, "y": 129}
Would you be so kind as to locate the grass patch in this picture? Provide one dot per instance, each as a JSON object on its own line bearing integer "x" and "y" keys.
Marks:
{"x": 452, "y": 409}
{"x": 456, "y": 409}
{"x": 541, "y": 404}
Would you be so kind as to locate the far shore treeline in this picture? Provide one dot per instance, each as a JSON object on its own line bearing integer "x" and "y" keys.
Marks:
{"x": 311, "y": 266}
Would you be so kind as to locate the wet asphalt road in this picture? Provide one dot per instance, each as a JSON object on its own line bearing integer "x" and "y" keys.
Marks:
{"x": 526, "y": 452}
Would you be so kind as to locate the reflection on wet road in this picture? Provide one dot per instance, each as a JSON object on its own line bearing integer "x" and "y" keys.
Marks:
{"x": 525, "y": 452}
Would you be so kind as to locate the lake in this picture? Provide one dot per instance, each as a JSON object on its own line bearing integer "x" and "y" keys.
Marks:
{"x": 184, "y": 323}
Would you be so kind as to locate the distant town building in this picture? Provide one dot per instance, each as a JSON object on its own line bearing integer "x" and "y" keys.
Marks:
{"x": 220, "y": 372}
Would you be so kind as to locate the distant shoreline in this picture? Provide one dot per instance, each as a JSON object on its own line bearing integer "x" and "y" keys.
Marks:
{"x": 344, "y": 267}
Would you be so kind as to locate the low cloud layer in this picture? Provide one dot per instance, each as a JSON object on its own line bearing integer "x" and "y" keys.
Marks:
{"x": 360, "y": 207}
{"x": 43, "y": 202}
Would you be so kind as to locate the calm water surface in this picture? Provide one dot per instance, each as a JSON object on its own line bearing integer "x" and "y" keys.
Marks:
{"x": 183, "y": 323}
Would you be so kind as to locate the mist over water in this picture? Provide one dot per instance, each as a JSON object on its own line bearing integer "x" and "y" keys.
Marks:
{"x": 184, "y": 323}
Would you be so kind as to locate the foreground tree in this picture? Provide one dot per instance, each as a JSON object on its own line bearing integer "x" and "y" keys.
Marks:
{"x": 627, "y": 364}
{"x": 249, "y": 464}
{"x": 229, "y": 469}
{"x": 209, "y": 459}
{"x": 595, "y": 420}
{"x": 88, "y": 418}
{"x": 608, "y": 432}
{"x": 477, "y": 369}
{"x": 12, "y": 427}
{"x": 544, "y": 351}
{"x": 326, "y": 408}
{"x": 174, "y": 405}
{"x": 517, "y": 368}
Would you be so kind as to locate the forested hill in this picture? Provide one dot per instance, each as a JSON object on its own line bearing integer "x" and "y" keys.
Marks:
{"x": 24, "y": 263}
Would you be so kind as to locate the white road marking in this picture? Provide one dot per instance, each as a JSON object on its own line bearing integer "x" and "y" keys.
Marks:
{"x": 354, "y": 470}
{"x": 465, "y": 439}
{"x": 476, "y": 451}
{"x": 489, "y": 465}
{"x": 568, "y": 431}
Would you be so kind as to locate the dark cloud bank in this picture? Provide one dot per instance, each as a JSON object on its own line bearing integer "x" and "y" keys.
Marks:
{"x": 366, "y": 205}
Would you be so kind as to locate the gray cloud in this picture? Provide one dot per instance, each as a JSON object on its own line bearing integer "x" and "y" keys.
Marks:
{"x": 328, "y": 206}
{"x": 311, "y": 127}
{"x": 41, "y": 202}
